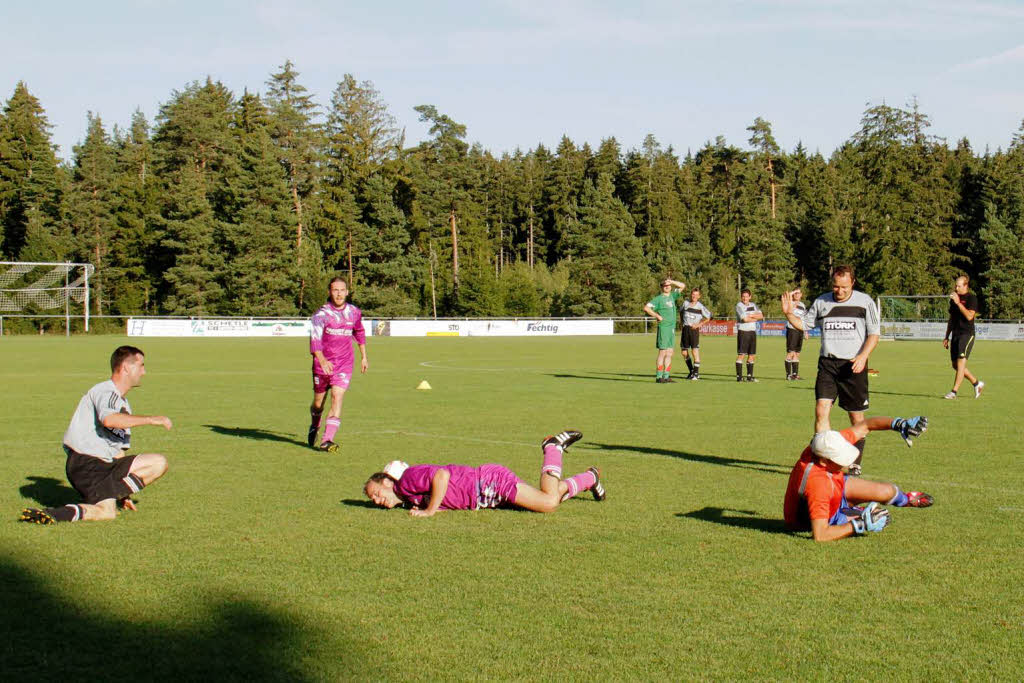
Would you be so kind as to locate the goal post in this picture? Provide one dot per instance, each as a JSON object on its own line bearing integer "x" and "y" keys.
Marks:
{"x": 31, "y": 289}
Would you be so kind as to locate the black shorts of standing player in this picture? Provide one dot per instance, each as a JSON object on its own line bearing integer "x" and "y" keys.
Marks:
{"x": 794, "y": 340}
{"x": 960, "y": 346}
{"x": 97, "y": 479}
{"x": 836, "y": 378}
{"x": 746, "y": 342}
{"x": 690, "y": 338}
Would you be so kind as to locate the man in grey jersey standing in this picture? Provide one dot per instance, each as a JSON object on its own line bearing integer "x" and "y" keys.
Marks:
{"x": 850, "y": 326}
{"x": 96, "y": 443}
{"x": 695, "y": 314}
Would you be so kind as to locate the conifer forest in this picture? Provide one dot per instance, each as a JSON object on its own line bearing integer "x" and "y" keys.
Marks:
{"x": 246, "y": 203}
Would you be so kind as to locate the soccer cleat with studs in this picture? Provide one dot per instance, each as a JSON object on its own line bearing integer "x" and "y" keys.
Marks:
{"x": 328, "y": 447}
{"x": 562, "y": 439}
{"x": 36, "y": 516}
{"x": 978, "y": 388}
{"x": 918, "y": 499}
{"x": 950, "y": 396}
{"x": 598, "y": 488}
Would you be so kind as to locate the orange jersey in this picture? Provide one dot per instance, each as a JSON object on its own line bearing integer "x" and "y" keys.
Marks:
{"x": 813, "y": 492}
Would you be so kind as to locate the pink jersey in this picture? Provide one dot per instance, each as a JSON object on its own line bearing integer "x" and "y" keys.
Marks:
{"x": 332, "y": 333}
{"x": 469, "y": 488}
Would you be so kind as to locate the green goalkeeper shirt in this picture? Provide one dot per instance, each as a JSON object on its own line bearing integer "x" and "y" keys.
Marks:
{"x": 665, "y": 306}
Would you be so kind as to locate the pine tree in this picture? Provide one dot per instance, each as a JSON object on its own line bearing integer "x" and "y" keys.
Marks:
{"x": 262, "y": 263}
{"x": 607, "y": 270}
{"x": 30, "y": 181}
{"x": 196, "y": 155}
{"x": 92, "y": 204}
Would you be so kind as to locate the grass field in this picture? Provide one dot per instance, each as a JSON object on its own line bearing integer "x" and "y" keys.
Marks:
{"x": 255, "y": 558}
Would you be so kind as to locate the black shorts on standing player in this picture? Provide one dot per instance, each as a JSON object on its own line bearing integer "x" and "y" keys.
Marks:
{"x": 836, "y": 379}
{"x": 794, "y": 340}
{"x": 746, "y": 342}
{"x": 690, "y": 338}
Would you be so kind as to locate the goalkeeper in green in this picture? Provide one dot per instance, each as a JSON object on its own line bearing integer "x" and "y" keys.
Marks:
{"x": 663, "y": 309}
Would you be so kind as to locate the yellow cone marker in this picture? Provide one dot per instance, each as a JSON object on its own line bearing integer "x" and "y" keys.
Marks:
{"x": 424, "y": 385}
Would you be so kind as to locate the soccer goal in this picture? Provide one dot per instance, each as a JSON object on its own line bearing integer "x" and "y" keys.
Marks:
{"x": 914, "y": 317}
{"x": 914, "y": 308}
{"x": 45, "y": 290}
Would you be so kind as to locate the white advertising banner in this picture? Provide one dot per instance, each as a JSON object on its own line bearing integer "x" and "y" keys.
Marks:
{"x": 224, "y": 327}
{"x": 936, "y": 331}
{"x": 495, "y": 328}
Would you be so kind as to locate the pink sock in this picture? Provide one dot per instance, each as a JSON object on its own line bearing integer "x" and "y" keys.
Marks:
{"x": 552, "y": 460}
{"x": 332, "y": 426}
{"x": 579, "y": 483}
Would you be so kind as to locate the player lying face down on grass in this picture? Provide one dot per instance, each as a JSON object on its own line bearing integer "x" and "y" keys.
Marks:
{"x": 425, "y": 489}
{"x": 822, "y": 498}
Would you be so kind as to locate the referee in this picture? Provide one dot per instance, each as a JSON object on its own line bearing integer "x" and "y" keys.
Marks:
{"x": 849, "y": 333}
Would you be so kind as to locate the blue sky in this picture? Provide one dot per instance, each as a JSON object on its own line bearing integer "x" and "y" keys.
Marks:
{"x": 522, "y": 73}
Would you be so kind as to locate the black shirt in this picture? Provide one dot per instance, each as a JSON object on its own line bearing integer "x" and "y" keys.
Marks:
{"x": 958, "y": 324}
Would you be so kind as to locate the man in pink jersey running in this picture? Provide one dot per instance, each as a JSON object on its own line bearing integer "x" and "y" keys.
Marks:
{"x": 330, "y": 343}
{"x": 425, "y": 489}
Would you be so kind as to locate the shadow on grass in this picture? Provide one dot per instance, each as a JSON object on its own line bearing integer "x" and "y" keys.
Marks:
{"x": 769, "y": 467}
{"x": 44, "y": 636}
{"x": 256, "y": 434}
{"x": 49, "y": 492}
{"x": 744, "y": 520}
{"x": 359, "y": 503}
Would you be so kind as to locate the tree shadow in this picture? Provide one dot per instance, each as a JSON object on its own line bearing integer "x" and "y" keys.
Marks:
{"x": 48, "y": 637}
{"x": 256, "y": 434}
{"x": 758, "y": 465}
{"x": 49, "y": 492}
{"x": 744, "y": 520}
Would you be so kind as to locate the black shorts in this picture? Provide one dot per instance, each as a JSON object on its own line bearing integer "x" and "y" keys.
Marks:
{"x": 746, "y": 342}
{"x": 97, "y": 479}
{"x": 836, "y": 378}
{"x": 691, "y": 338}
{"x": 794, "y": 340}
{"x": 960, "y": 346}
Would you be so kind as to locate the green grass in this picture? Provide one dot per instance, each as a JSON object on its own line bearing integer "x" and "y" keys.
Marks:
{"x": 256, "y": 558}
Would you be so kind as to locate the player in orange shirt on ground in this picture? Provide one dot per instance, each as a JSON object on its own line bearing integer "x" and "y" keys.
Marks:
{"x": 820, "y": 495}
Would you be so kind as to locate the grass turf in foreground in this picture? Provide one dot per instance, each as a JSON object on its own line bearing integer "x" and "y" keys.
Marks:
{"x": 257, "y": 558}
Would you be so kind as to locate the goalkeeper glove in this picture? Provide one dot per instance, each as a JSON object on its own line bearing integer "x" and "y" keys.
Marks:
{"x": 910, "y": 427}
{"x": 872, "y": 518}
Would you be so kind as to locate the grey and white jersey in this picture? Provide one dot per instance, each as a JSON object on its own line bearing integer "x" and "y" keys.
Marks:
{"x": 86, "y": 433}
{"x": 742, "y": 311}
{"x": 844, "y": 326}
{"x": 800, "y": 309}
{"x": 693, "y": 313}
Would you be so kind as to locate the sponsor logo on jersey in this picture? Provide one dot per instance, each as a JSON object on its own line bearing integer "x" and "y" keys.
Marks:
{"x": 339, "y": 331}
{"x": 840, "y": 325}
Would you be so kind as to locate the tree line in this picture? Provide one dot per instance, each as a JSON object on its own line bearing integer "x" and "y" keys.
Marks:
{"x": 247, "y": 204}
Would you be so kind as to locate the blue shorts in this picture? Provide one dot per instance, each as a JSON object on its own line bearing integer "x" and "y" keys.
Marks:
{"x": 840, "y": 516}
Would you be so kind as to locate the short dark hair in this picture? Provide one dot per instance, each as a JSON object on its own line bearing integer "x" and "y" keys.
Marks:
{"x": 695, "y": 289}
{"x": 337, "y": 279}
{"x": 844, "y": 269}
{"x": 122, "y": 354}
{"x": 744, "y": 291}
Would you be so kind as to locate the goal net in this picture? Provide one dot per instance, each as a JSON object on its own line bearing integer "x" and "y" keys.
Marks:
{"x": 52, "y": 290}
{"x": 924, "y": 308}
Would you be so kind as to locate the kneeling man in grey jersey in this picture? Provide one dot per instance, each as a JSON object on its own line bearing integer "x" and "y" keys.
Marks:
{"x": 96, "y": 444}
{"x": 849, "y": 333}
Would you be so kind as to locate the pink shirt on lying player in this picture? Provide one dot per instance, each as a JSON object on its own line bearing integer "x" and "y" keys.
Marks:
{"x": 332, "y": 333}
{"x": 469, "y": 488}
